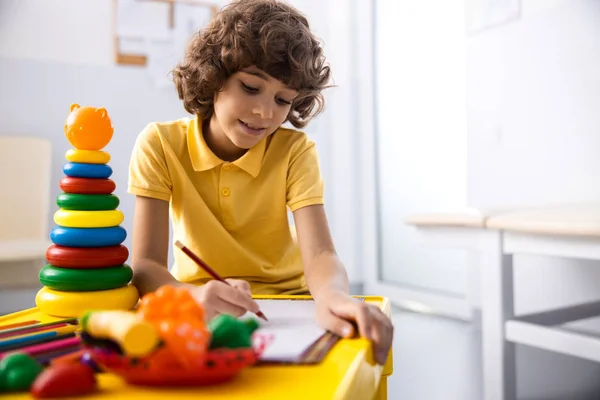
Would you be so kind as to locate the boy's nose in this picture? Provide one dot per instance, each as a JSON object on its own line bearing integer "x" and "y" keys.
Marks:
{"x": 265, "y": 111}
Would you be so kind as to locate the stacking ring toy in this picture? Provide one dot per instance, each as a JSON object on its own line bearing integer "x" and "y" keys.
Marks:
{"x": 88, "y": 219}
{"x": 90, "y": 257}
{"x": 80, "y": 170}
{"x": 75, "y": 304}
{"x": 88, "y": 237}
{"x": 88, "y": 128}
{"x": 87, "y": 156}
{"x": 87, "y": 186}
{"x": 84, "y": 280}
{"x": 87, "y": 202}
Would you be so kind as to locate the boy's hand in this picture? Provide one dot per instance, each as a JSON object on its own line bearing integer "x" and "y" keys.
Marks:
{"x": 218, "y": 298}
{"x": 336, "y": 309}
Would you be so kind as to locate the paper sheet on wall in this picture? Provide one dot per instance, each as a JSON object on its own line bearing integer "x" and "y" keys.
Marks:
{"x": 483, "y": 14}
{"x": 293, "y": 325}
{"x": 143, "y": 28}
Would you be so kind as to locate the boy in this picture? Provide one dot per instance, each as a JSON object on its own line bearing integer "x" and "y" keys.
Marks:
{"x": 228, "y": 176}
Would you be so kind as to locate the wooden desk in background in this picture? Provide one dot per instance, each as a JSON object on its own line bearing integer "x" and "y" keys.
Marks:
{"x": 571, "y": 231}
{"x": 348, "y": 372}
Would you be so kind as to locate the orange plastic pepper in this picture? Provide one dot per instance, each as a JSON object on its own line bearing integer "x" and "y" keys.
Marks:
{"x": 88, "y": 128}
{"x": 179, "y": 320}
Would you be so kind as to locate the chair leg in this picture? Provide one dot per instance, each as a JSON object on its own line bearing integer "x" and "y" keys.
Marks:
{"x": 499, "y": 375}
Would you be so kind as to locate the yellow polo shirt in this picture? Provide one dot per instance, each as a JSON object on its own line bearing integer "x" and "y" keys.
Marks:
{"x": 232, "y": 215}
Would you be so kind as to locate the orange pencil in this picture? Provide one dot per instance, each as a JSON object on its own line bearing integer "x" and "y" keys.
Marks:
{"x": 18, "y": 325}
{"x": 208, "y": 269}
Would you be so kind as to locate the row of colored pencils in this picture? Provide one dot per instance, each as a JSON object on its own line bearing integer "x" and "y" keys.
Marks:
{"x": 42, "y": 341}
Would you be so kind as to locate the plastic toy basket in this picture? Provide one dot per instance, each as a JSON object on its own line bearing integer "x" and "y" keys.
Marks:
{"x": 162, "y": 368}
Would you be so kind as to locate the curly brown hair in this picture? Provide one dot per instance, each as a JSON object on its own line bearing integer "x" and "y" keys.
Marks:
{"x": 268, "y": 34}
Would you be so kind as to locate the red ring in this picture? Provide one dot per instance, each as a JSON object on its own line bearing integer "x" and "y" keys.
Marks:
{"x": 87, "y": 185}
{"x": 86, "y": 257}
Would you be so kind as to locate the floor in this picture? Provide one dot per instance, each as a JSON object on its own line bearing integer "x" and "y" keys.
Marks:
{"x": 436, "y": 358}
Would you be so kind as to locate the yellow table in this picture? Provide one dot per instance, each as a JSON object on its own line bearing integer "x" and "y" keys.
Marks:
{"x": 348, "y": 372}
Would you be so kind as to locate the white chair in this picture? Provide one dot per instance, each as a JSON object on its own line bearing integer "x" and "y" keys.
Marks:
{"x": 25, "y": 176}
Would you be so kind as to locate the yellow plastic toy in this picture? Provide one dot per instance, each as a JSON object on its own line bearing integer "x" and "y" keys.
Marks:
{"x": 75, "y": 304}
{"x": 88, "y": 219}
{"x": 87, "y": 156}
{"x": 137, "y": 338}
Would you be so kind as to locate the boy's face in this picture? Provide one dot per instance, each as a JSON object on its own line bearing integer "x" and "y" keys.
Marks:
{"x": 251, "y": 106}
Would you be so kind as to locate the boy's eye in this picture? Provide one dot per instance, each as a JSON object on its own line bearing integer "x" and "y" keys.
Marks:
{"x": 249, "y": 89}
{"x": 284, "y": 102}
{"x": 253, "y": 90}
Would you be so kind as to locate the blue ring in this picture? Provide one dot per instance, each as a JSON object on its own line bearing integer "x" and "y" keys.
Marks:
{"x": 80, "y": 170}
{"x": 88, "y": 237}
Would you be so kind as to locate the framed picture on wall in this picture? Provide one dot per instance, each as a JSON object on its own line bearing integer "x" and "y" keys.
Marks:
{"x": 154, "y": 33}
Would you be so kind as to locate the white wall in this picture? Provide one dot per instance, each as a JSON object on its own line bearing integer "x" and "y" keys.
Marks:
{"x": 52, "y": 54}
{"x": 532, "y": 92}
{"x": 65, "y": 31}
{"x": 421, "y": 136}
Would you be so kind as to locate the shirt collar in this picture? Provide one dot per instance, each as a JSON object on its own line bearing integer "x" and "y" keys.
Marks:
{"x": 204, "y": 159}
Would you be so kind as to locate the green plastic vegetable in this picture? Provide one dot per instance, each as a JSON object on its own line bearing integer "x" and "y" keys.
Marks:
{"x": 17, "y": 372}
{"x": 228, "y": 331}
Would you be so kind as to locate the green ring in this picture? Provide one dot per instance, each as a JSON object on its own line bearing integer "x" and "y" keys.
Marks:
{"x": 87, "y": 202}
{"x": 85, "y": 280}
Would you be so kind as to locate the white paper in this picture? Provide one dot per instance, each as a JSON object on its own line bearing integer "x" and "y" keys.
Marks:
{"x": 483, "y": 14}
{"x": 160, "y": 60}
{"x": 293, "y": 326}
{"x": 143, "y": 19}
{"x": 189, "y": 19}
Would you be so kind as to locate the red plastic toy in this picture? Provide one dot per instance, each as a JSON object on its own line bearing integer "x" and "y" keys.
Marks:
{"x": 86, "y": 257}
{"x": 163, "y": 368}
{"x": 87, "y": 185}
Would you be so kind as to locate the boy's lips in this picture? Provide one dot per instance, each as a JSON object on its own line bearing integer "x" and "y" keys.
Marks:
{"x": 252, "y": 129}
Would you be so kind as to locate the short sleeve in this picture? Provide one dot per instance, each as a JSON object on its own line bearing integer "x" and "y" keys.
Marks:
{"x": 304, "y": 180}
{"x": 148, "y": 172}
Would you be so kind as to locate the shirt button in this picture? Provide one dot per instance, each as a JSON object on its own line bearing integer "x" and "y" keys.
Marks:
{"x": 226, "y": 167}
{"x": 225, "y": 192}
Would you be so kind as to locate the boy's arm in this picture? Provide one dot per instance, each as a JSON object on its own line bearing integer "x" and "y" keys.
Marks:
{"x": 323, "y": 269}
{"x": 150, "y": 245}
{"x": 328, "y": 283}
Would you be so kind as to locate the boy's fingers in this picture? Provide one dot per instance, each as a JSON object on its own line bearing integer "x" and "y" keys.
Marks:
{"x": 336, "y": 325}
{"x": 382, "y": 329}
{"x": 238, "y": 298}
{"x": 240, "y": 285}
{"x": 372, "y": 325}
{"x": 224, "y": 307}
{"x": 358, "y": 312}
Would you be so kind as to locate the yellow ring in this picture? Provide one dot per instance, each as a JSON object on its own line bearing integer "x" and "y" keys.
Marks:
{"x": 88, "y": 219}
{"x": 87, "y": 156}
{"x": 75, "y": 304}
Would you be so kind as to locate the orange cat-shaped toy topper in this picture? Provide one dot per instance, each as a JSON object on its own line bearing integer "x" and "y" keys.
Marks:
{"x": 88, "y": 128}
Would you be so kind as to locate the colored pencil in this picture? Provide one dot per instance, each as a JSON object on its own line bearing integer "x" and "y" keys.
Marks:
{"x": 21, "y": 332}
{"x": 38, "y": 341}
{"x": 46, "y": 347}
{"x": 32, "y": 337}
{"x": 18, "y": 324}
{"x": 38, "y": 325}
{"x": 208, "y": 269}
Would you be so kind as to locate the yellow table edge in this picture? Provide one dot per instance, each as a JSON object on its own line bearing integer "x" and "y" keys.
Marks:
{"x": 364, "y": 379}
